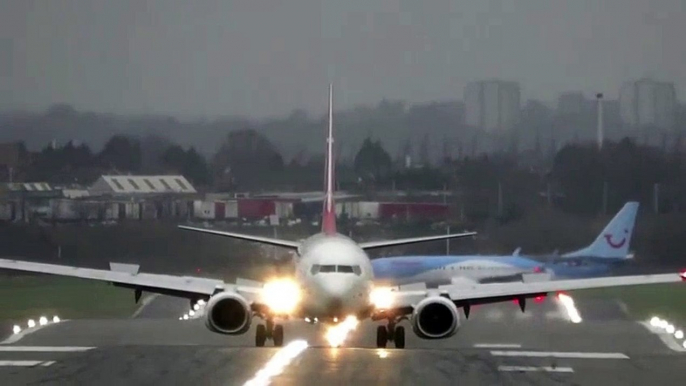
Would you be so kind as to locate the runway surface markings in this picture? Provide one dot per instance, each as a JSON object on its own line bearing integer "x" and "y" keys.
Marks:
{"x": 43, "y": 349}
{"x": 546, "y": 369}
{"x": 497, "y": 345}
{"x": 26, "y": 363}
{"x": 552, "y": 354}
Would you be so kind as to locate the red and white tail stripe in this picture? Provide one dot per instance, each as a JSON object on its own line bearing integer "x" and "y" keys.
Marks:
{"x": 329, "y": 209}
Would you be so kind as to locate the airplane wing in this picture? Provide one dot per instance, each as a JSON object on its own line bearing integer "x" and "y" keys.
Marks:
{"x": 241, "y": 236}
{"x": 413, "y": 240}
{"x": 472, "y": 294}
{"x": 126, "y": 275}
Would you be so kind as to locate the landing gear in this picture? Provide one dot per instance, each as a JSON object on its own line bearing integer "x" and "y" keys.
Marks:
{"x": 260, "y": 335}
{"x": 390, "y": 333}
{"x": 381, "y": 337}
{"x": 269, "y": 331}
{"x": 277, "y": 335}
{"x": 399, "y": 337}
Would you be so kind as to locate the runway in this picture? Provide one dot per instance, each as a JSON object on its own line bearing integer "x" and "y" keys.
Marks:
{"x": 497, "y": 345}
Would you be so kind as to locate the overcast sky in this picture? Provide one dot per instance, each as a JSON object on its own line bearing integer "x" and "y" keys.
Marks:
{"x": 266, "y": 57}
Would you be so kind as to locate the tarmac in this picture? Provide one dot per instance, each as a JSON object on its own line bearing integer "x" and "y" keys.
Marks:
{"x": 497, "y": 345}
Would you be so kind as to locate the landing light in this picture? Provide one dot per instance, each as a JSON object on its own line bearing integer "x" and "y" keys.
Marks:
{"x": 282, "y": 296}
{"x": 381, "y": 297}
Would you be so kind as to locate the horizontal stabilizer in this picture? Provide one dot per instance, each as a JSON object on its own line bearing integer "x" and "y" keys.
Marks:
{"x": 242, "y": 236}
{"x": 412, "y": 240}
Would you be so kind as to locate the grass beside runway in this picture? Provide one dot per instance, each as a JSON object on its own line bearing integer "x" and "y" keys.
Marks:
{"x": 667, "y": 301}
{"x": 24, "y": 297}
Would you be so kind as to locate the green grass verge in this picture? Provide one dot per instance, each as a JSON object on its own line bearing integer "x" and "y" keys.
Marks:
{"x": 34, "y": 296}
{"x": 667, "y": 301}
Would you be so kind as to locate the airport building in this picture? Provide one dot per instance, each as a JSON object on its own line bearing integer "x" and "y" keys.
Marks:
{"x": 136, "y": 185}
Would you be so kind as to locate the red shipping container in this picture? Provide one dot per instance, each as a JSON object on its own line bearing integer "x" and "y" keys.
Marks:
{"x": 253, "y": 208}
{"x": 388, "y": 210}
{"x": 428, "y": 210}
{"x": 219, "y": 210}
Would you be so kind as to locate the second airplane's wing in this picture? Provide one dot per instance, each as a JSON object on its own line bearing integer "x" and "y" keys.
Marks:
{"x": 412, "y": 240}
{"x": 125, "y": 275}
{"x": 242, "y": 236}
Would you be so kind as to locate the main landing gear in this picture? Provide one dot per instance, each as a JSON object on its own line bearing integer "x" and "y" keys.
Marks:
{"x": 390, "y": 333}
{"x": 269, "y": 331}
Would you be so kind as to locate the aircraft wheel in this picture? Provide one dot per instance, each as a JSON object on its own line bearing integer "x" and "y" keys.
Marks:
{"x": 277, "y": 335}
{"x": 260, "y": 335}
{"x": 381, "y": 336}
{"x": 399, "y": 337}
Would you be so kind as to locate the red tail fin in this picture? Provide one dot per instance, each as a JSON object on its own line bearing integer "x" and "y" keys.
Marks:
{"x": 329, "y": 209}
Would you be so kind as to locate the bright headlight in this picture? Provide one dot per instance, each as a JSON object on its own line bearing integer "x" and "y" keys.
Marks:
{"x": 381, "y": 298}
{"x": 281, "y": 296}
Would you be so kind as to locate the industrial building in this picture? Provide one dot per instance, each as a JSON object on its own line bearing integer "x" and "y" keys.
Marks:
{"x": 127, "y": 185}
{"x": 648, "y": 103}
{"x": 492, "y": 105}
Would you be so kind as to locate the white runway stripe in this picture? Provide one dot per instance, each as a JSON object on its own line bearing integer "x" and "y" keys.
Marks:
{"x": 545, "y": 354}
{"x": 43, "y": 349}
{"x": 547, "y": 369}
{"x": 25, "y": 363}
{"x": 497, "y": 345}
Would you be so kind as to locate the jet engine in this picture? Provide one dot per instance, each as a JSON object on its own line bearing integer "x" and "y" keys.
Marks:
{"x": 435, "y": 318}
{"x": 228, "y": 313}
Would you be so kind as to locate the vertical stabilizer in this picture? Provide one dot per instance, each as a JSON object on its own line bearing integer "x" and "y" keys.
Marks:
{"x": 613, "y": 242}
{"x": 329, "y": 209}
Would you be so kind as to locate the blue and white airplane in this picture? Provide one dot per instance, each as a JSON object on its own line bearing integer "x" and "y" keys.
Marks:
{"x": 609, "y": 249}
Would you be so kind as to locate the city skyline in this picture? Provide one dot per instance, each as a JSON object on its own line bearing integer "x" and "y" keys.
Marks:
{"x": 212, "y": 58}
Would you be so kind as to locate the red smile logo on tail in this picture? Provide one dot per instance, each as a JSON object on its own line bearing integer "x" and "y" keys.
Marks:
{"x": 616, "y": 245}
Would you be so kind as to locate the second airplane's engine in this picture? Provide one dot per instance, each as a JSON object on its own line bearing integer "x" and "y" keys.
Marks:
{"x": 435, "y": 318}
{"x": 228, "y": 313}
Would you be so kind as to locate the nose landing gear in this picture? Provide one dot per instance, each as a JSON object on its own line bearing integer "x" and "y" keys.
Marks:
{"x": 390, "y": 333}
{"x": 269, "y": 331}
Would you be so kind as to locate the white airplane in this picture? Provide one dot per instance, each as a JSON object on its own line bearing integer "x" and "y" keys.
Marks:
{"x": 334, "y": 279}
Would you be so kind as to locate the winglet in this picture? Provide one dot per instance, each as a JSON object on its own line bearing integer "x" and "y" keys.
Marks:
{"x": 329, "y": 209}
{"x": 516, "y": 251}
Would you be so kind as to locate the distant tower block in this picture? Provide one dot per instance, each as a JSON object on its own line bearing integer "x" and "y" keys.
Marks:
{"x": 601, "y": 132}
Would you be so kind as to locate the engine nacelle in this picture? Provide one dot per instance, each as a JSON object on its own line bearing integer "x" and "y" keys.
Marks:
{"x": 435, "y": 318}
{"x": 228, "y": 313}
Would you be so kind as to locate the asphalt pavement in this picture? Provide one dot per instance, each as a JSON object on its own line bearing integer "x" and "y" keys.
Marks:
{"x": 498, "y": 345}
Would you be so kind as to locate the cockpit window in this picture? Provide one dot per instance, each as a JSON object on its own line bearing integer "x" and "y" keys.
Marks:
{"x": 317, "y": 268}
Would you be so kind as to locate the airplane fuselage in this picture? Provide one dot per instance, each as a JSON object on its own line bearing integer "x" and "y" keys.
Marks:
{"x": 335, "y": 276}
